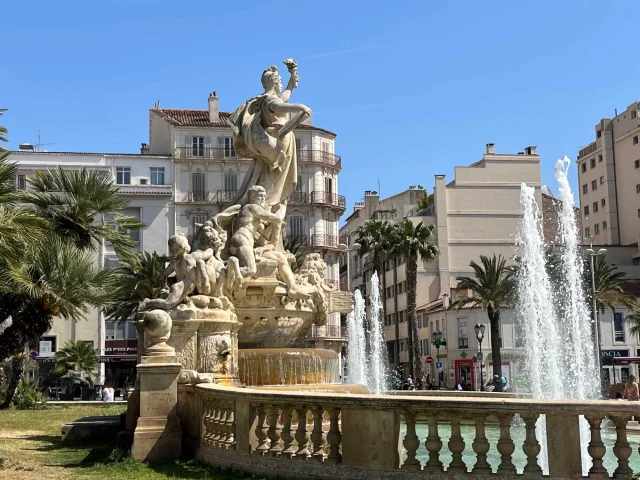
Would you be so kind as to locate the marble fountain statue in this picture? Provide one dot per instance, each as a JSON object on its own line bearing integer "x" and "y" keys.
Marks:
{"x": 234, "y": 310}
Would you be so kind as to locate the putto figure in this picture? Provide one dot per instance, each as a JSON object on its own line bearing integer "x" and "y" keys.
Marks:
{"x": 263, "y": 130}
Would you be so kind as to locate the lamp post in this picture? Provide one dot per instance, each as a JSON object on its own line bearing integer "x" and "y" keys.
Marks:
{"x": 348, "y": 249}
{"x": 479, "y": 329}
{"x": 436, "y": 337}
{"x": 592, "y": 254}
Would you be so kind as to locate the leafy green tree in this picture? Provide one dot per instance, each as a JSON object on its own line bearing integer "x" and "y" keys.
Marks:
{"x": 413, "y": 242}
{"x": 375, "y": 237}
{"x": 77, "y": 359}
{"x": 610, "y": 285}
{"x": 493, "y": 288}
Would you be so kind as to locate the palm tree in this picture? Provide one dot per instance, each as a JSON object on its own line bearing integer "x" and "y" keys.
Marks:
{"x": 375, "y": 238}
{"x": 294, "y": 246}
{"x": 493, "y": 288}
{"x": 139, "y": 278}
{"x": 413, "y": 242}
{"x": 76, "y": 358}
{"x": 609, "y": 285}
{"x": 3, "y": 131}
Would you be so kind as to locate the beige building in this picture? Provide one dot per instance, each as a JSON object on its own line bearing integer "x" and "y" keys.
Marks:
{"x": 609, "y": 181}
{"x": 477, "y": 213}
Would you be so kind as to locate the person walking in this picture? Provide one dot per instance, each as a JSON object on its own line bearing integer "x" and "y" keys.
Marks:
{"x": 631, "y": 392}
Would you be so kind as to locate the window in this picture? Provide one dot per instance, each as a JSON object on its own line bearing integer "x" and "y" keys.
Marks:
{"x": 634, "y": 113}
{"x": 604, "y": 225}
{"x": 197, "y": 219}
{"x": 328, "y": 185}
{"x": 635, "y": 140}
{"x": 132, "y": 331}
{"x": 228, "y": 150}
{"x": 593, "y": 162}
{"x": 639, "y": 213}
{"x": 618, "y": 328}
{"x": 587, "y": 232}
{"x": 596, "y": 229}
{"x": 197, "y": 146}
{"x": 230, "y": 182}
{"x": 296, "y": 226}
{"x": 584, "y": 167}
{"x": 115, "y": 330}
{"x": 595, "y": 207}
{"x": 463, "y": 337}
{"x": 601, "y": 180}
{"x": 638, "y": 188}
{"x": 585, "y": 189}
{"x": 594, "y": 185}
{"x": 586, "y": 210}
{"x": 157, "y": 175}
{"x": 403, "y": 345}
{"x": 133, "y": 212}
{"x": 123, "y": 175}
{"x": 47, "y": 346}
{"x": 636, "y": 164}
{"x": 298, "y": 143}
{"x": 599, "y": 133}
{"x": 21, "y": 182}
{"x": 197, "y": 186}
{"x": 326, "y": 146}
{"x": 599, "y": 158}
{"x": 603, "y": 202}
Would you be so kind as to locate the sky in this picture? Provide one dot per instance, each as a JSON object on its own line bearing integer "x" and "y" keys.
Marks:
{"x": 412, "y": 88}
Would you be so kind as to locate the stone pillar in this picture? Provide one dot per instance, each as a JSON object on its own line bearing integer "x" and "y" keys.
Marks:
{"x": 217, "y": 345}
{"x": 158, "y": 437}
{"x": 371, "y": 438}
{"x": 563, "y": 445}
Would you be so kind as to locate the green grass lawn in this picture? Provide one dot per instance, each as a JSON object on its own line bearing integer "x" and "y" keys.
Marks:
{"x": 30, "y": 448}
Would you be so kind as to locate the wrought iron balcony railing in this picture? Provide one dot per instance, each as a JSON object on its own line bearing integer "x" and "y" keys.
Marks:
{"x": 318, "y": 156}
{"x": 330, "y": 241}
{"x": 330, "y": 199}
{"x": 299, "y": 197}
{"x": 332, "y": 283}
{"x": 225, "y": 196}
{"x": 199, "y": 196}
{"x": 327, "y": 331}
{"x": 209, "y": 153}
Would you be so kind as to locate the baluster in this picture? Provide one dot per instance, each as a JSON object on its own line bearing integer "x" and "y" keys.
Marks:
{"x": 288, "y": 448}
{"x": 334, "y": 437}
{"x": 261, "y": 431}
{"x": 505, "y": 445}
{"x": 231, "y": 428}
{"x": 208, "y": 423}
{"x": 481, "y": 446}
{"x": 622, "y": 449}
{"x": 302, "y": 436}
{"x": 215, "y": 426}
{"x": 531, "y": 447}
{"x": 411, "y": 443}
{"x": 456, "y": 446}
{"x": 274, "y": 431}
{"x": 316, "y": 435}
{"x": 596, "y": 448}
{"x": 222, "y": 427}
{"x": 433, "y": 444}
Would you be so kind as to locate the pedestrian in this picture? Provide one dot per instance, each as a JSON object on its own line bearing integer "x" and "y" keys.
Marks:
{"x": 631, "y": 389}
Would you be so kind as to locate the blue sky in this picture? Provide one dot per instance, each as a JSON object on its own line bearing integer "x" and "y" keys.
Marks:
{"x": 412, "y": 88}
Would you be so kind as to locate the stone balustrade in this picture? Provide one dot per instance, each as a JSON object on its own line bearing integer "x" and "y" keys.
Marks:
{"x": 359, "y": 436}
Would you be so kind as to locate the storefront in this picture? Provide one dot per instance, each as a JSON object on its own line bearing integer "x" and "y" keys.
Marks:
{"x": 465, "y": 374}
{"x": 120, "y": 361}
{"x": 617, "y": 365}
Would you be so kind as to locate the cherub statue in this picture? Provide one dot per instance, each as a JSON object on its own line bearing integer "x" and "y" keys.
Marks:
{"x": 221, "y": 277}
{"x": 191, "y": 274}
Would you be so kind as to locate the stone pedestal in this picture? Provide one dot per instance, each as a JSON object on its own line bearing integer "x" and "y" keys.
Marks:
{"x": 218, "y": 346}
{"x": 371, "y": 438}
{"x": 563, "y": 445}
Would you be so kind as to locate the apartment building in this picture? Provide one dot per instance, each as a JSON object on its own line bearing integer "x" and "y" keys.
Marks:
{"x": 146, "y": 182}
{"x": 477, "y": 213}
{"x": 609, "y": 181}
{"x": 208, "y": 172}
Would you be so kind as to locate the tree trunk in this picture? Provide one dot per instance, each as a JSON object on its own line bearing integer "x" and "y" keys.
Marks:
{"x": 395, "y": 309}
{"x": 496, "y": 341}
{"x": 17, "y": 365}
{"x": 415, "y": 352}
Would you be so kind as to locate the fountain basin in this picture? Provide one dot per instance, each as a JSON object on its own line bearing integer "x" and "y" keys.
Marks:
{"x": 328, "y": 388}
{"x": 285, "y": 366}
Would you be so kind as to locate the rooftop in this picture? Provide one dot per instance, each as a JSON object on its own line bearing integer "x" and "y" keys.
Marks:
{"x": 31, "y": 152}
{"x": 200, "y": 118}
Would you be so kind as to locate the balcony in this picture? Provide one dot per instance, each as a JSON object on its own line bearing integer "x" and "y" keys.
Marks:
{"x": 204, "y": 153}
{"x": 298, "y": 198}
{"x": 463, "y": 343}
{"x": 318, "y": 156}
{"x": 301, "y": 240}
{"x": 329, "y": 199}
{"x": 327, "y": 331}
{"x": 326, "y": 241}
{"x": 198, "y": 196}
{"x": 592, "y": 147}
{"x": 225, "y": 196}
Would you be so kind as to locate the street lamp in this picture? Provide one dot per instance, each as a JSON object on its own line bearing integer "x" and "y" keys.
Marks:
{"x": 436, "y": 337}
{"x": 348, "y": 249}
{"x": 479, "y": 329}
{"x": 592, "y": 254}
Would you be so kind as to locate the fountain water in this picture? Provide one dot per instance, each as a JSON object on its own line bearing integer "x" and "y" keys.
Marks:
{"x": 559, "y": 346}
{"x": 366, "y": 359}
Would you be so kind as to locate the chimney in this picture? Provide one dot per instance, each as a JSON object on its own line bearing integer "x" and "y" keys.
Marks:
{"x": 531, "y": 150}
{"x": 144, "y": 149}
{"x": 213, "y": 108}
{"x": 491, "y": 148}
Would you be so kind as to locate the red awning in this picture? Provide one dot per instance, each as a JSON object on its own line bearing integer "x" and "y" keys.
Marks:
{"x": 626, "y": 360}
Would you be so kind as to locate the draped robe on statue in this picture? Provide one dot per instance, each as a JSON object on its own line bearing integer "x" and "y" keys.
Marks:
{"x": 255, "y": 127}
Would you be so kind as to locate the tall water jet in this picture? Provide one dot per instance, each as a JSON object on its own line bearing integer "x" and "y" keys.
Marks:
{"x": 367, "y": 353}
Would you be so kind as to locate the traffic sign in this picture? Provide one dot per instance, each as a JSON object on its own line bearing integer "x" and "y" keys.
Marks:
{"x": 480, "y": 357}
{"x": 475, "y": 359}
{"x": 438, "y": 365}
{"x": 33, "y": 354}
{"x": 429, "y": 359}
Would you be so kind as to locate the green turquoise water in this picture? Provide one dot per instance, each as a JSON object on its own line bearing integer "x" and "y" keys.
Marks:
{"x": 518, "y": 435}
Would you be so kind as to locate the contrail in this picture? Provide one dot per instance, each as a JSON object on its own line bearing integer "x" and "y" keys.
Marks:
{"x": 340, "y": 52}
